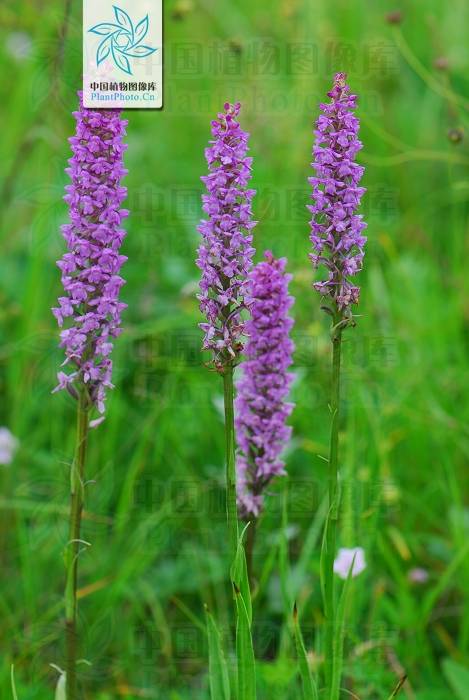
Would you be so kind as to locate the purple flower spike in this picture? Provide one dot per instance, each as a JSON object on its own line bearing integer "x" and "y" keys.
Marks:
{"x": 335, "y": 228}
{"x": 225, "y": 254}
{"x": 90, "y": 268}
{"x": 261, "y": 409}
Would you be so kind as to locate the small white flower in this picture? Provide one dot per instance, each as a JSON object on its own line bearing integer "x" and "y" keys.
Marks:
{"x": 418, "y": 575}
{"x": 19, "y": 45}
{"x": 348, "y": 557}
{"x": 8, "y": 445}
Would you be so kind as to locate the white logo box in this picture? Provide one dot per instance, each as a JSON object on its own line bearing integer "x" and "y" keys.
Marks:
{"x": 123, "y": 54}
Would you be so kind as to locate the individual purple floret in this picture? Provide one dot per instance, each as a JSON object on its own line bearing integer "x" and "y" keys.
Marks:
{"x": 335, "y": 228}
{"x": 90, "y": 268}
{"x": 225, "y": 254}
{"x": 261, "y": 407}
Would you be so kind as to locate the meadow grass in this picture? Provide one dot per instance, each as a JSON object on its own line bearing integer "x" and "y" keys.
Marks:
{"x": 155, "y": 515}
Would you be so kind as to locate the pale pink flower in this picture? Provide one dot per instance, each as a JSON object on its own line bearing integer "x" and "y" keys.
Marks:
{"x": 418, "y": 575}
{"x": 8, "y": 446}
{"x": 346, "y": 558}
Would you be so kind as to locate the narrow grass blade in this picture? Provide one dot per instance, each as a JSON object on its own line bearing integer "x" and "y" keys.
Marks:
{"x": 310, "y": 691}
{"x": 338, "y": 641}
{"x": 457, "y": 677}
{"x": 309, "y": 546}
{"x": 244, "y": 651}
{"x": 284, "y": 564}
{"x": 326, "y": 578}
{"x": 13, "y": 686}
{"x": 218, "y": 670}
{"x": 398, "y": 688}
{"x": 443, "y": 582}
{"x": 323, "y": 560}
{"x": 239, "y": 575}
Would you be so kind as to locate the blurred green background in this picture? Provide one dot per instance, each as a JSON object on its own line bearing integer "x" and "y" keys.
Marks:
{"x": 155, "y": 510}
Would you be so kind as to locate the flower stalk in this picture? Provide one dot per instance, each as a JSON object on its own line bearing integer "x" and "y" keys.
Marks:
{"x": 231, "y": 508}
{"x": 89, "y": 310}
{"x": 333, "y": 489}
{"x": 225, "y": 258}
{"x": 338, "y": 249}
{"x": 77, "y": 494}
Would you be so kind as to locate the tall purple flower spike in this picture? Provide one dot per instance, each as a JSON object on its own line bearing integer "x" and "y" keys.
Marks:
{"x": 225, "y": 254}
{"x": 261, "y": 407}
{"x": 90, "y": 269}
{"x": 335, "y": 228}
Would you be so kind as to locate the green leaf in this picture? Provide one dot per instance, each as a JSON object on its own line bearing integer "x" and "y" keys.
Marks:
{"x": 458, "y": 678}
{"x": 309, "y": 545}
{"x": 60, "y": 693}
{"x": 244, "y": 651}
{"x": 239, "y": 574}
{"x": 310, "y": 691}
{"x": 218, "y": 671}
{"x": 443, "y": 582}
{"x": 323, "y": 561}
{"x": 326, "y": 578}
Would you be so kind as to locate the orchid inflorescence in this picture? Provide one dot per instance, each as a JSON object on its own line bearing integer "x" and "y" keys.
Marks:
{"x": 225, "y": 254}
{"x": 264, "y": 385}
{"x": 336, "y": 230}
{"x": 90, "y": 306}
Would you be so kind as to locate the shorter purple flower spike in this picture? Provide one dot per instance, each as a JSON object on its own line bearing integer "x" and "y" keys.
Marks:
{"x": 336, "y": 231}
{"x": 261, "y": 408}
{"x": 90, "y": 268}
{"x": 225, "y": 254}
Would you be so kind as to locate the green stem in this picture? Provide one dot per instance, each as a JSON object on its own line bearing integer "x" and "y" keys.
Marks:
{"x": 250, "y": 543}
{"x": 231, "y": 508}
{"x": 336, "y": 338}
{"x": 77, "y": 475}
